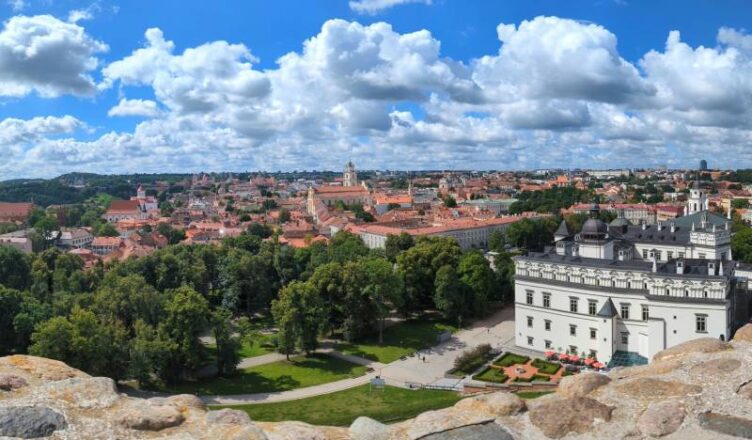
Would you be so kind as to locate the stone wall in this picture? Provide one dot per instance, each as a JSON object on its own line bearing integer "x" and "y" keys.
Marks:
{"x": 699, "y": 390}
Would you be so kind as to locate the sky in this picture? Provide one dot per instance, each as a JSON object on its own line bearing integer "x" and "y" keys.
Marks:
{"x": 186, "y": 86}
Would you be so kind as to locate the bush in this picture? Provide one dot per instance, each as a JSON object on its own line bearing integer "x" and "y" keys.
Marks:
{"x": 546, "y": 367}
{"x": 510, "y": 359}
{"x": 471, "y": 360}
{"x": 492, "y": 375}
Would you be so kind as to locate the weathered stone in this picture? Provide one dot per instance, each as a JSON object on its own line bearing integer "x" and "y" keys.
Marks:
{"x": 486, "y": 431}
{"x": 151, "y": 417}
{"x": 744, "y": 334}
{"x": 652, "y": 369}
{"x": 30, "y": 422}
{"x": 90, "y": 392}
{"x": 10, "y": 382}
{"x": 443, "y": 420}
{"x": 651, "y": 388}
{"x": 365, "y": 428}
{"x": 228, "y": 417}
{"x": 495, "y": 405}
{"x": 560, "y": 416}
{"x": 301, "y": 431}
{"x": 661, "y": 418}
{"x": 701, "y": 345}
{"x": 716, "y": 367}
{"x": 725, "y": 424}
{"x": 184, "y": 401}
{"x": 581, "y": 384}
{"x": 745, "y": 390}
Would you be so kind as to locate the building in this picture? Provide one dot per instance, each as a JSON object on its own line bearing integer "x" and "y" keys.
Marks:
{"x": 325, "y": 197}
{"x": 75, "y": 238}
{"x": 635, "y": 213}
{"x": 608, "y": 174}
{"x": 350, "y": 176}
{"x": 139, "y": 207}
{"x": 496, "y": 206}
{"x": 15, "y": 212}
{"x": 703, "y": 165}
{"x": 623, "y": 292}
{"x": 105, "y": 245}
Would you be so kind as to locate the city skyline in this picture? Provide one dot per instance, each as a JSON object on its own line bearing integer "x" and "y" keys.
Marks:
{"x": 443, "y": 84}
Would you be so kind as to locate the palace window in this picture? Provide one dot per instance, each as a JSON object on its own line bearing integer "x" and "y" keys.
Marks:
{"x": 572, "y": 349}
{"x": 546, "y": 300}
{"x": 625, "y": 311}
{"x": 669, "y": 255}
{"x": 644, "y": 254}
{"x": 592, "y": 307}
{"x": 681, "y": 254}
{"x": 645, "y": 313}
{"x": 529, "y": 321}
{"x": 701, "y": 324}
{"x": 529, "y": 340}
{"x": 572, "y": 330}
{"x": 701, "y": 256}
{"x": 547, "y": 324}
{"x": 593, "y": 333}
{"x": 625, "y": 338}
{"x": 593, "y": 354}
{"x": 547, "y": 344}
{"x": 573, "y": 305}
{"x": 529, "y": 297}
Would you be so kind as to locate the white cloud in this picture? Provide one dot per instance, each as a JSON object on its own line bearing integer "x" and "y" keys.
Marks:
{"x": 135, "y": 107}
{"x": 17, "y": 133}
{"x": 17, "y": 5}
{"x": 375, "y": 6}
{"x": 46, "y": 55}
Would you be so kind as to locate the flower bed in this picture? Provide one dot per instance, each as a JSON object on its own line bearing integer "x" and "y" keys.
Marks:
{"x": 491, "y": 374}
{"x": 509, "y": 359}
{"x": 546, "y": 367}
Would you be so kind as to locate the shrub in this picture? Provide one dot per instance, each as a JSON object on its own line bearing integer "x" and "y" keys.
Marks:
{"x": 510, "y": 359}
{"x": 546, "y": 367}
{"x": 492, "y": 375}
{"x": 471, "y": 360}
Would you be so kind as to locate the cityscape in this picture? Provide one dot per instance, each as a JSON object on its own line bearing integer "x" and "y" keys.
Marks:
{"x": 375, "y": 226}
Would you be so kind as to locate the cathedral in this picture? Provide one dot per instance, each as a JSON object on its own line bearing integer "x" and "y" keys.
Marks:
{"x": 621, "y": 293}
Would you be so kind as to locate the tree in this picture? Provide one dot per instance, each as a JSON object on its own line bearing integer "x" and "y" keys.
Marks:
{"x": 741, "y": 245}
{"x": 47, "y": 227}
{"x": 417, "y": 268}
{"x": 330, "y": 286}
{"x": 383, "y": 288}
{"x": 300, "y": 314}
{"x": 346, "y": 246}
{"x": 260, "y": 230}
{"x": 449, "y": 201}
{"x": 150, "y": 354}
{"x": 452, "y": 296}
{"x": 15, "y": 269}
{"x": 503, "y": 287}
{"x": 395, "y": 244}
{"x": 740, "y": 203}
{"x": 284, "y": 215}
{"x": 106, "y": 230}
{"x": 187, "y": 318}
{"x": 128, "y": 299}
{"x": 474, "y": 272}
{"x": 227, "y": 345}
{"x": 496, "y": 241}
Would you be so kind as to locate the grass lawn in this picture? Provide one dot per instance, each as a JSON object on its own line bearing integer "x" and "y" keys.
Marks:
{"x": 546, "y": 367}
{"x": 509, "y": 359}
{"x": 532, "y": 394}
{"x": 399, "y": 340}
{"x": 536, "y": 377}
{"x": 492, "y": 375}
{"x": 341, "y": 408}
{"x": 299, "y": 372}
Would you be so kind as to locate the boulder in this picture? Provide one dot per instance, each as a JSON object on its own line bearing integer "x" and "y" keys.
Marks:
{"x": 725, "y": 424}
{"x": 716, "y": 367}
{"x": 84, "y": 392}
{"x": 657, "y": 389}
{"x": 495, "y": 405}
{"x": 560, "y": 416}
{"x": 744, "y": 334}
{"x": 151, "y": 417}
{"x": 228, "y": 417}
{"x": 580, "y": 385}
{"x": 365, "y": 428}
{"x": 42, "y": 368}
{"x": 745, "y": 390}
{"x": 184, "y": 401}
{"x": 301, "y": 431}
{"x": 701, "y": 345}
{"x": 661, "y": 418}
{"x": 486, "y": 431}
{"x": 443, "y": 420}
{"x": 10, "y": 382}
{"x": 30, "y": 421}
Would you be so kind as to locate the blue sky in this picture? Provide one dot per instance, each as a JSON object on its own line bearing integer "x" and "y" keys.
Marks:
{"x": 115, "y": 87}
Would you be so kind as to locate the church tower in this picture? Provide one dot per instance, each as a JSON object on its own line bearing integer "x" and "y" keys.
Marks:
{"x": 350, "y": 177}
{"x": 697, "y": 201}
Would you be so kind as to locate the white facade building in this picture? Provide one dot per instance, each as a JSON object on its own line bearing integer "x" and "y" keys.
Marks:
{"x": 627, "y": 292}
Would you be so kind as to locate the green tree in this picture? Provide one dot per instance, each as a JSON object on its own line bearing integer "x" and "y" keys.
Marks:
{"x": 452, "y": 297}
{"x": 383, "y": 287}
{"x": 449, "y": 201}
{"x": 106, "y": 230}
{"x": 227, "y": 345}
{"x": 128, "y": 299}
{"x": 475, "y": 273}
{"x": 741, "y": 245}
{"x": 15, "y": 268}
{"x": 417, "y": 268}
{"x": 150, "y": 354}
{"x": 300, "y": 314}
{"x": 346, "y": 246}
{"x": 396, "y": 244}
{"x": 187, "y": 317}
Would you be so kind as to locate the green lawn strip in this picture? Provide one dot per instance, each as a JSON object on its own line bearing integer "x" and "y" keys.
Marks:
{"x": 341, "y": 408}
{"x": 491, "y": 375}
{"x": 532, "y": 394}
{"x": 509, "y": 359}
{"x": 538, "y": 377}
{"x": 299, "y": 372}
{"x": 546, "y": 367}
{"x": 400, "y": 340}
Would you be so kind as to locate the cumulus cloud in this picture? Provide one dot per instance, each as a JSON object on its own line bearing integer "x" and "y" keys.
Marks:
{"x": 135, "y": 107}
{"x": 375, "y": 6}
{"x": 17, "y": 133}
{"x": 46, "y": 55}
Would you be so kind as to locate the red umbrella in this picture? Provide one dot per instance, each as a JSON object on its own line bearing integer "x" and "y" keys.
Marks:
{"x": 563, "y": 357}
{"x": 598, "y": 365}
{"x": 574, "y": 358}
{"x": 589, "y": 361}
{"x": 549, "y": 354}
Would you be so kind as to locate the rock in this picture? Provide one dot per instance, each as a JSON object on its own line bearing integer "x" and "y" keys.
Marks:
{"x": 91, "y": 392}
{"x": 10, "y": 382}
{"x": 559, "y": 416}
{"x": 661, "y": 418}
{"x": 701, "y": 345}
{"x": 651, "y": 388}
{"x": 30, "y": 421}
{"x": 184, "y": 401}
{"x": 486, "y": 431}
{"x": 443, "y": 420}
{"x": 301, "y": 431}
{"x": 365, "y": 428}
{"x": 715, "y": 367}
{"x": 580, "y": 385}
{"x": 228, "y": 417}
{"x": 42, "y": 368}
{"x": 495, "y": 405}
{"x": 744, "y": 334}
{"x": 151, "y": 417}
{"x": 745, "y": 390}
{"x": 652, "y": 369}
{"x": 725, "y": 424}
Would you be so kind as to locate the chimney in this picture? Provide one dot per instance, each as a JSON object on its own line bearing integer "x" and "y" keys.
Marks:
{"x": 720, "y": 268}
{"x": 679, "y": 266}
{"x": 711, "y": 268}
{"x": 727, "y": 226}
{"x": 673, "y": 227}
{"x": 693, "y": 226}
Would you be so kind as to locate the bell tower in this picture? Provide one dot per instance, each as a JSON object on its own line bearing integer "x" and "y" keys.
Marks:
{"x": 350, "y": 176}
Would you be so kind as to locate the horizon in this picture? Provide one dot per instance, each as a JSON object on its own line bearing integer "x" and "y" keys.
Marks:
{"x": 444, "y": 84}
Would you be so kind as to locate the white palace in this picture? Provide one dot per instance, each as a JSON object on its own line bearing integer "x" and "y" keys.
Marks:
{"x": 623, "y": 292}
